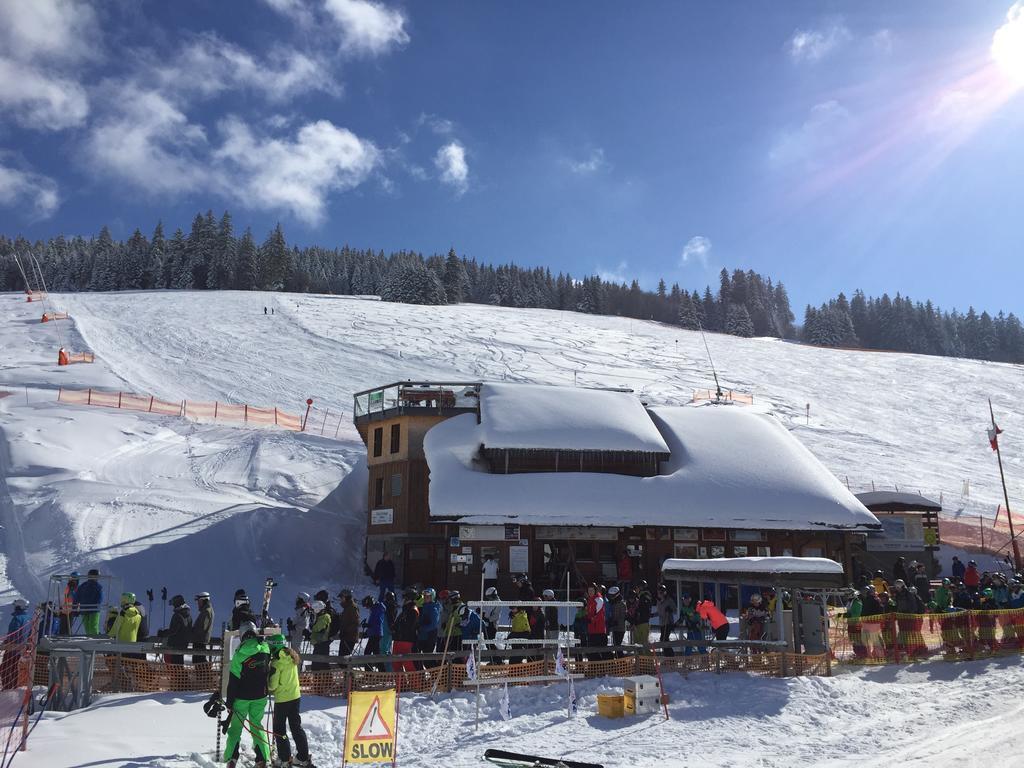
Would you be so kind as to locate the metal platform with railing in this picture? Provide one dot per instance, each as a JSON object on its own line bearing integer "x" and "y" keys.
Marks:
{"x": 425, "y": 398}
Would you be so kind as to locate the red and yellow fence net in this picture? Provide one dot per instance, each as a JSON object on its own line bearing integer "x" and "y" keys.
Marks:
{"x": 900, "y": 637}
{"x": 216, "y": 412}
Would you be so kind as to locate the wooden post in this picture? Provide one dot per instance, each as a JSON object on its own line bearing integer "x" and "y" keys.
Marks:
{"x": 275, "y": 415}
{"x": 119, "y": 394}
{"x": 89, "y": 400}
{"x": 309, "y": 404}
{"x": 324, "y": 425}
{"x": 150, "y": 403}
{"x": 216, "y": 405}
{"x": 246, "y": 413}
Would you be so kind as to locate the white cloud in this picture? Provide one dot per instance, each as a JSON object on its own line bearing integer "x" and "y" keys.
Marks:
{"x": 44, "y": 43}
{"x": 41, "y": 100}
{"x": 367, "y": 27}
{"x": 439, "y": 125}
{"x": 146, "y": 140}
{"x": 297, "y": 9}
{"x": 591, "y": 164}
{"x": 21, "y": 189}
{"x": 450, "y": 160}
{"x": 825, "y": 126}
{"x": 883, "y": 40}
{"x": 618, "y": 274}
{"x": 58, "y": 30}
{"x": 698, "y": 249}
{"x": 296, "y": 175}
{"x": 816, "y": 44}
{"x": 209, "y": 66}
{"x": 1008, "y": 43}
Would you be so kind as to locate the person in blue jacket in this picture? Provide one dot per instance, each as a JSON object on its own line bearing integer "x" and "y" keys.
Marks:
{"x": 89, "y": 597}
{"x": 430, "y": 620}
{"x": 18, "y": 631}
{"x": 373, "y": 628}
{"x": 470, "y": 622}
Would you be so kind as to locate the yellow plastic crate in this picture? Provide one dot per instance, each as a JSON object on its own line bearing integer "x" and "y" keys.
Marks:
{"x": 610, "y": 705}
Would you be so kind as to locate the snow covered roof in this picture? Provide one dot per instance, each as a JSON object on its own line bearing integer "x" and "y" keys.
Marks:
{"x": 897, "y": 501}
{"x": 565, "y": 418}
{"x": 806, "y": 571}
{"x": 730, "y": 467}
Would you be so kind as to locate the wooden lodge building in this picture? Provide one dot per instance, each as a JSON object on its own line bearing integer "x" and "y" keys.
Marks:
{"x": 563, "y": 480}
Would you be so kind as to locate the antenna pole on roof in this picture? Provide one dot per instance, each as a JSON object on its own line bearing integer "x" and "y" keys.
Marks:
{"x": 718, "y": 387}
{"x": 994, "y": 436}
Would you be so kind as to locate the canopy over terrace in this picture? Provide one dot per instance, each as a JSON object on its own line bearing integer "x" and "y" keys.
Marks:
{"x": 804, "y": 573}
{"x": 784, "y": 572}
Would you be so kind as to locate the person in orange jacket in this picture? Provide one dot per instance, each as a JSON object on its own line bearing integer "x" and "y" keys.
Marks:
{"x": 708, "y": 611}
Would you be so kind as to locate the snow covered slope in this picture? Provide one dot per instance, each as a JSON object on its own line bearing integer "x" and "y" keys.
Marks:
{"x": 86, "y": 485}
{"x": 154, "y": 500}
{"x": 934, "y": 715}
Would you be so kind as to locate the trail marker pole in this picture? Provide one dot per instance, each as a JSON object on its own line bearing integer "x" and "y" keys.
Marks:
{"x": 1006, "y": 496}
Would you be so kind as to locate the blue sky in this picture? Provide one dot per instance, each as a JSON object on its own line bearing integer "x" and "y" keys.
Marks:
{"x": 831, "y": 145}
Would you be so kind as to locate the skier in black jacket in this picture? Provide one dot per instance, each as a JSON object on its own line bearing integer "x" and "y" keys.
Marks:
{"x": 179, "y": 633}
{"x": 202, "y": 627}
{"x": 242, "y": 612}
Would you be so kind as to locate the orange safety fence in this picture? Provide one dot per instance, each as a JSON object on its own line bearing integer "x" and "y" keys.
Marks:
{"x": 980, "y": 534}
{"x": 70, "y": 358}
{"x": 214, "y": 412}
{"x": 35, "y": 295}
{"x": 900, "y": 637}
{"x": 48, "y": 316}
{"x": 17, "y": 660}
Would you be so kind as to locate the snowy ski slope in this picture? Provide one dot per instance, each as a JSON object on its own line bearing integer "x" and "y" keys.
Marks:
{"x": 163, "y": 501}
{"x": 92, "y": 484}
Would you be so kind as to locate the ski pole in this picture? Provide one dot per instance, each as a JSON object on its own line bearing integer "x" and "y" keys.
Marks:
{"x": 163, "y": 596}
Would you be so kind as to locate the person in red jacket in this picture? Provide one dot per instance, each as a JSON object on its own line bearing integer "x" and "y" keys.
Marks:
{"x": 708, "y": 611}
{"x": 625, "y": 570}
{"x": 971, "y": 577}
{"x": 597, "y": 626}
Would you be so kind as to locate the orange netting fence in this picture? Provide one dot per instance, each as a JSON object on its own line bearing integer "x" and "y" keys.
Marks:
{"x": 981, "y": 534}
{"x": 217, "y": 412}
{"x": 50, "y": 316}
{"x": 35, "y": 295}
{"x": 324, "y": 421}
{"x": 17, "y": 660}
{"x": 70, "y": 358}
{"x": 900, "y": 637}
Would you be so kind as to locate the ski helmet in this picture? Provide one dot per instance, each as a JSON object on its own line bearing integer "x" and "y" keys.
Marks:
{"x": 20, "y": 602}
{"x": 491, "y": 592}
{"x": 322, "y": 596}
{"x": 276, "y": 642}
{"x": 454, "y": 595}
{"x": 202, "y": 596}
{"x": 613, "y": 592}
{"x": 302, "y": 597}
{"x": 318, "y": 605}
{"x": 248, "y": 629}
{"x": 368, "y": 602}
{"x": 755, "y": 599}
{"x": 429, "y": 592}
{"x": 177, "y": 601}
{"x": 240, "y": 594}
{"x": 464, "y": 611}
{"x": 127, "y": 598}
{"x": 548, "y": 594}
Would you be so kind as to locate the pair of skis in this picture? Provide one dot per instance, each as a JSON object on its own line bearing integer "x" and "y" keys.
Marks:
{"x": 268, "y": 590}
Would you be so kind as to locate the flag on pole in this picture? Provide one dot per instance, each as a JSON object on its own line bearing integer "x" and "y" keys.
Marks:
{"x": 993, "y": 435}
{"x": 471, "y": 667}
{"x": 573, "y": 708}
{"x": 560, "y": 668}
{"x": 506, "y": 705}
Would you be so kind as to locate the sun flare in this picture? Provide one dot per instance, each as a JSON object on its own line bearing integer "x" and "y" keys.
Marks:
{"x": 1008, "y": 44}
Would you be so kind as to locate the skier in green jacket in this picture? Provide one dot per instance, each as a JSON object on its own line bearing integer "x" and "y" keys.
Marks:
{"x": 284, "y": 687}
{"x": 247, "y": 695}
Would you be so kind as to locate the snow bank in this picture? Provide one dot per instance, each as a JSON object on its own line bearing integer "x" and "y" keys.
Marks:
{"x": 938, "y": 714}
{"x": 560, "y": 418}
{"x": 730, "y": 467}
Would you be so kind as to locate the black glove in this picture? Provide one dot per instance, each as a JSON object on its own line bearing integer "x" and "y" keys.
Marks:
{"x": 224, "y": 724}
{"x": 306, "y": 634}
